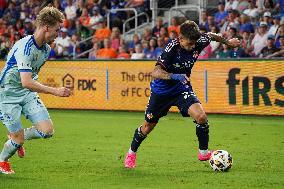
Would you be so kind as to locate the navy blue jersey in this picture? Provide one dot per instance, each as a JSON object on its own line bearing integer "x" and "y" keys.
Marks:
{"x": 174, "y": 59}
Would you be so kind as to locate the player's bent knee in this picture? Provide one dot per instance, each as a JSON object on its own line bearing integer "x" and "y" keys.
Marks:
{"x": 148, "y": 127}
{"x": 202, "y": 118}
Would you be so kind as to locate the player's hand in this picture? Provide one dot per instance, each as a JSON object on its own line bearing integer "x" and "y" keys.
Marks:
{"x": 181, "y": 77}
{"x": 234, "y": 42}
{"x": 63, "y": 92}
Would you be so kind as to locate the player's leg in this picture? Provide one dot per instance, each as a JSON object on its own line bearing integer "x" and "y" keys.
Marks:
{"x": 202, "y": 130}
{"x": 189, "y": 105}
{"x": 157, "y": 108}
{"x": 10, "y": 115}
{"x": 37, "y": 113}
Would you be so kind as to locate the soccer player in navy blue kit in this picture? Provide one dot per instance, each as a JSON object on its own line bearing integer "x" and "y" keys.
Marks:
{"x": 171, "y": 87}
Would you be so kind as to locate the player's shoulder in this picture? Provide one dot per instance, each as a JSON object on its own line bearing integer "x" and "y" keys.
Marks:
{"x": 24, "y": 41}
{"x": 172, "y": 45}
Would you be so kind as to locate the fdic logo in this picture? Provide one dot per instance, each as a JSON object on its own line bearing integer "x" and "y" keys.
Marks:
{"x": 261, "y": 87}
{"x": 82, "y": 84}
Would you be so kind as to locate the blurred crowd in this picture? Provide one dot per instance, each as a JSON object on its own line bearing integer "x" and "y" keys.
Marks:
{"x": 258, "y": 23}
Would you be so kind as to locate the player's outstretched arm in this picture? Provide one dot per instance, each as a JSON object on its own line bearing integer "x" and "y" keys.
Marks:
{"x": 33, "y": 85}
{"x": 159, "y": 73}
{"x": 232, "y": 43}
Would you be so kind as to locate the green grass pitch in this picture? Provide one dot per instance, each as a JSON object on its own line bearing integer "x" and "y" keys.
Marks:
{"x": 88, "y": 151}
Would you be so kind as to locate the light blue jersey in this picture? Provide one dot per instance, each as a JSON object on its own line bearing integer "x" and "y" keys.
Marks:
{"x": 25, "y": 56}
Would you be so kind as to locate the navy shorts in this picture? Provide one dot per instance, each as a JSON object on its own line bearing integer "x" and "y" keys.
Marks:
{"x": 159, "y": 105}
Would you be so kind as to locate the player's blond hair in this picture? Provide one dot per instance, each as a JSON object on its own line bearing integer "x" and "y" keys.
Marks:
{"x": 49, "y": 16}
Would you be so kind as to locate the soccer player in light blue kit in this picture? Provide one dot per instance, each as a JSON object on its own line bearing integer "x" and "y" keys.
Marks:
{"x": 19, "y": 87}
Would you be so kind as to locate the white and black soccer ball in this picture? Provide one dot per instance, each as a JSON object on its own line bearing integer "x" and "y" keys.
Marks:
{"x": 221, "y": 160}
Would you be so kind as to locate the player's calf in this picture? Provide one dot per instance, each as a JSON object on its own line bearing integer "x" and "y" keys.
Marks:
{"x": 202, "y": 133}
{"x": 21, "y": 150}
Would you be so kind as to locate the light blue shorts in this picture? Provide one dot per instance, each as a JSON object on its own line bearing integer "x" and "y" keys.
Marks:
{"x": 29, "y": 105}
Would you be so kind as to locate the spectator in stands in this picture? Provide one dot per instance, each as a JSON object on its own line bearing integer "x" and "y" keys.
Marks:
{"x": 70, "y": 10}
{"x": 85, "y": 18}
{"x": 53, "y": 53}
{"x": 210, "y": 23}
{"x": 238, "y": 52}
{"x": 57, "y": 4}
{"x": 231, "y": 5}
{"x": 220, "y": 16}
{"x": 270, "y": 48}
{"x": 62, "y": 43}
{"x": 122, "y": 54}
{"x": 71, "y": 27}
{"x": 107, "y": 52}
{"x": 137, "y": 4}
{"x": 103, "y": 32}
{"x": 267, "y": 18}
{"x": 174, "y": 25}
{"x": 232, "y": 20}
{"x": 247, "y": 38}
{"x": 80, "y": 6}
{"x": 279, "y": 42}
{"x": 117, "y": 17}
{"x": 133, "y": 43}
{"x": 147, "y": 34}
{"x": 153, "y": 45}
{"x": 232, "y": 33}
{"x": 224, "y": 53}
{"x": 276, "y": 24}
{"x": 251, "y": 11}
{"x": 95, "y": 19}
{"x": 242, "y": 5}
{"x": 279, "y": 53}
{"x": 4, "y": 46}
{"x": 115, "y": 38}
{"x": 82, "y": 31}
{"x": 28, "y": 27}
{"x": 19, "y": 28}
{"x": 164, "y": 34}
{"x": 160, "y": 47}
{"x": 74, "y": 42}
{"x": 259, "y": 40}
{"x": 138, "y": 54}
{"x": 146, "y": 48}
{"x": 245, "y": 23}
{"x": 12, "y": 13}
{"x": 268, "y": 5}
{"x": 157, "y": 27}
{"x": 94, "y": 52}
{"x": 203, "y": 19}
{"x": 280, "y": 30}
{"x": 3, "y": 5}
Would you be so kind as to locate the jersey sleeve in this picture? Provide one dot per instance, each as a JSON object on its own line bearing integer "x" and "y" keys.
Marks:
{"x": 169, "y": 52}
{"x": 203, "y": 41}
{"x": 23, "y": 57}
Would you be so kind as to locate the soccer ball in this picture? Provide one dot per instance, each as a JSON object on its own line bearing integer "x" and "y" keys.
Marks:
{"x": 221, "y": 160}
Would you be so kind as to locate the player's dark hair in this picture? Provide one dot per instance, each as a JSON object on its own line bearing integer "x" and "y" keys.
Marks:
{"x": 190, "y": 30}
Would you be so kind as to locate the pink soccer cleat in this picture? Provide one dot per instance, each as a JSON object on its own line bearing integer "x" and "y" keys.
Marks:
{"x": 5, "y": 168}
{"x": 130, "y": 161}
{"x": 21, "y": 151}
{"x": 204, "y": 157}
